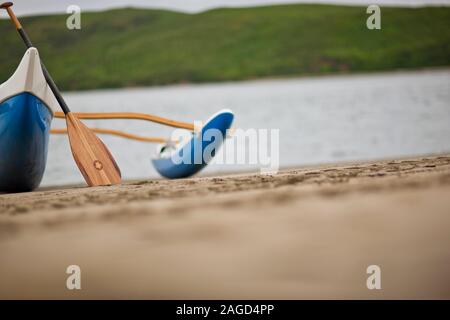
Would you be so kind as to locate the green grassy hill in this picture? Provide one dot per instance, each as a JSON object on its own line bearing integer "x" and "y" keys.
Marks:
{"x": 130, "y": 47}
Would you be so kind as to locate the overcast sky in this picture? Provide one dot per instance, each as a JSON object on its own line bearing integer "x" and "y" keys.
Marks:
{"x": 31, "y": 7}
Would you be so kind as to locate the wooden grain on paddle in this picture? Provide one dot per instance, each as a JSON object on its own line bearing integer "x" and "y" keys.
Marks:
{"x": 91, "y": 156}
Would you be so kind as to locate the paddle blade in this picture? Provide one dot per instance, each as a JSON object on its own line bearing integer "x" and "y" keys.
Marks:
{"x": 92, "y": 157}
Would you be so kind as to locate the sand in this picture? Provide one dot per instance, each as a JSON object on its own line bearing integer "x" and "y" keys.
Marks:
{"x": 302, "y": 233}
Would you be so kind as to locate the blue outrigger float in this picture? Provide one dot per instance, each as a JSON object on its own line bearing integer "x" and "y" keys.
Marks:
{"x": 26, "y": 112}
{"x": 186, "y": 159}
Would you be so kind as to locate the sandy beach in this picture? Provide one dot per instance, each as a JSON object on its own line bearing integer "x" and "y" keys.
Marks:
{"x": 302, "y": 233}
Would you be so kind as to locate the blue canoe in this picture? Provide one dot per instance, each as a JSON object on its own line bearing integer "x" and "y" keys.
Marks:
{"x": 186, "y": 160}
{"x": 26, "y": 112}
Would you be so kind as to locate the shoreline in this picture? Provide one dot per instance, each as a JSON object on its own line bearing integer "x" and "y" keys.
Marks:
{"x": 302, "y": 233}
{"x": 255, "y": 171}
{"x": 304, "y": 77}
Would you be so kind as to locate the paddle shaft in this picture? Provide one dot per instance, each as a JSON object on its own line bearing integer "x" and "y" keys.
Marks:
{"x": 47, "y": 76}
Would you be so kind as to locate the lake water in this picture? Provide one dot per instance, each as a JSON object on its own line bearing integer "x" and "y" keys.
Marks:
{"x": 321, "y": 119}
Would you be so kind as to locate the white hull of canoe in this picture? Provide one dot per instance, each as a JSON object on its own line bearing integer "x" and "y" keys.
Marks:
{"x": 26, "y": 112}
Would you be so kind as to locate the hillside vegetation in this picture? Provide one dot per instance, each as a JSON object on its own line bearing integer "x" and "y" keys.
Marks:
{"x": 131, "y": 47}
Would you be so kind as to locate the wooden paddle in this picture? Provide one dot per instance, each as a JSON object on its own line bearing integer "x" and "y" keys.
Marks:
{"x": 91, "y": 156}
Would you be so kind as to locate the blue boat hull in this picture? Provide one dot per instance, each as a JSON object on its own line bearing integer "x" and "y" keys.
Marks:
{"x": 193, "y": 153}
{"x": 24, "y": 132}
